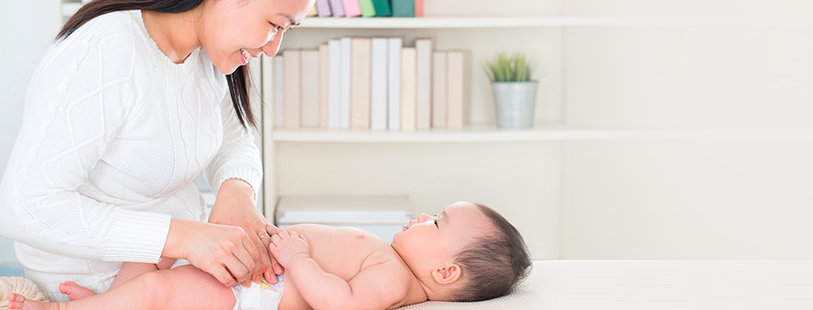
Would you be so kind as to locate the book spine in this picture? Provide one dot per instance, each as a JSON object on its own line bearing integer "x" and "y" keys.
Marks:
{"x": 423, "y": 52}
{"x": 344, "y": 91}
{"x": 408, "y": 81}
{"x": 382, "y": 8}
{"x": 279, "y": 91}
{"x": 323, "y": 8}
{"x": 360, "y": 84}
{"x": 336, "y": 7}
{"x": 268, "y": 92}
{"x": 403, "y": 8}
{"x": 351, "y": 8}
{"x": 454, "y": 90}
{"x": 418, "y": 8}
{"x": 378, "y": 84}
{"x": 291, "y": 85}
{"x": 367, "y": 8}
{"x": 394, "y": 81}
{"x": 309, "y": 87}
{"x": 439, "y": 81}
{"x": 312, "y": 12}
{"x": 324, "y": 58}
{"x": 334, "y": 84}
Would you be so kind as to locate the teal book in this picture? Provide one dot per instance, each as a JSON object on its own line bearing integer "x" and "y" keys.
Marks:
{"x": 367, "y": 9}
{"x": 382, "y": 8}
{"x": 403, "y": 8}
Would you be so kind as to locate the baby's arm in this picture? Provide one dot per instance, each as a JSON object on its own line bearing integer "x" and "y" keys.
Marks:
{"x": 379, "y": 286}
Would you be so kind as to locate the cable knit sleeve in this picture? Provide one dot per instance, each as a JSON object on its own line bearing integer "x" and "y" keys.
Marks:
{"x": 79, "y": 97}
{"x": 238, "y": 156}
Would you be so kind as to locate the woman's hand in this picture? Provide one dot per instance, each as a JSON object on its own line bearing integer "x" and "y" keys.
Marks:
{"x": 235, "y": 205}
{"x": 223, "y": 251}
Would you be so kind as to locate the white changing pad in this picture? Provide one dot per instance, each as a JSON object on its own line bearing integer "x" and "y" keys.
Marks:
{"x": 655, "y": 284}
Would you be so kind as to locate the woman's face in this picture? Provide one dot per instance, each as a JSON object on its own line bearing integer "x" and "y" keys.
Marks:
{"x": 233, "y": 31}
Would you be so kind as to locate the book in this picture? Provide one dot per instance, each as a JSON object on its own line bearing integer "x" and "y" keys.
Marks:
{"x": 336, "y": 8}
{"x": 382, "y": 8}
{"x": 439, "y": 81}
{"x": 455, "y": 97}
{"x": 323, "y": 8}
{"x": 269, "y": 120}
{"x": 408, "y": 88}
{"x": 418, "y": 8}
{"x": 324, "y": 58}
{"x": 423, "y": 88}
{"x": 403, "y": 8}
{"x": 291, "y": 88}
{"x": 309, "y": 89}
{"x": 351, "y": 8}
{"x": 333, "y": 83}
{"x": 360, "y": 84}
{"x": 279, "y": 91}
{"x": 394, "y": 83}
{"x": 344, "y": 83}
{"x": 312, "y": 12}
{"x": 367, "y": 8}
{"x": 378, "y": 83}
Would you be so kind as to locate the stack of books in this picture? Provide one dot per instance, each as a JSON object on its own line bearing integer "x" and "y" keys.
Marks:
{"x": 368, "y": 84}
{"x": 367, "y": 8}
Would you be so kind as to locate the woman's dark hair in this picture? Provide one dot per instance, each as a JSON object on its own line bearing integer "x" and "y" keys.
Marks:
{"x": 239, "y": 81}
{"x": 493, "y": 265}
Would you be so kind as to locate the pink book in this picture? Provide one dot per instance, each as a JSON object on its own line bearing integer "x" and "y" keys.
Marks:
{"x": 351, "y": 8}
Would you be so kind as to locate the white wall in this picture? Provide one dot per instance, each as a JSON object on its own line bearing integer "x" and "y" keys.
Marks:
{"x": 26, "y": 29}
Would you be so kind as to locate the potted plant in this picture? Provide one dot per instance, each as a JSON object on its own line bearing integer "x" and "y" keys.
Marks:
{"x": 513, "y": 89}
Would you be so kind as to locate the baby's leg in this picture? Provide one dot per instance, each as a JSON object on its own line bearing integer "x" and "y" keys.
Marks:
{"x": 184, "y": 287}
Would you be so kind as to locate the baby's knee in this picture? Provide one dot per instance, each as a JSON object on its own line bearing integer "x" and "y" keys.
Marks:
{"x": 155, "y": 290}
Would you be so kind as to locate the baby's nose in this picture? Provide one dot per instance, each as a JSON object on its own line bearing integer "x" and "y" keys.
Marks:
{"x": 423, "y": 217}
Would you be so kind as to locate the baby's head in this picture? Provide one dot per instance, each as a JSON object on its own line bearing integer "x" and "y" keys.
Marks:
{"x": 467, "y": 252}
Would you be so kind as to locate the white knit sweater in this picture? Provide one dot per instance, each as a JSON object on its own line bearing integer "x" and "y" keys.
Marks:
{"x": 112, "y": 138}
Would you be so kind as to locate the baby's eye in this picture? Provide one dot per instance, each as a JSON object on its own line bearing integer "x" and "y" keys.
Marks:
{"x": 436, "y": 223}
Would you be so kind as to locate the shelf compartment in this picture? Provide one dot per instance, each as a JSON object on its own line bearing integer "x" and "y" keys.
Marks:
{"x": 543, "y": 132}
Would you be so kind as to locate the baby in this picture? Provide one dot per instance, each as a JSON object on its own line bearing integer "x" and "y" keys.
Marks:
{"x": 467, "y": 252}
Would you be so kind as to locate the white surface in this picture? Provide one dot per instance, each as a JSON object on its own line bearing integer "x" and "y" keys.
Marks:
{"x": 628, "y": 285}
{"x": 344, "y": 210}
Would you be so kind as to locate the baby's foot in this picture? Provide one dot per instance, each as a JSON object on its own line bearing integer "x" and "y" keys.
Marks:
{"x": 18, "y": 302}
{"x": 74, "y": 291}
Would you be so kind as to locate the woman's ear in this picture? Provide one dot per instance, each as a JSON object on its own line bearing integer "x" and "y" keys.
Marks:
{"x": 447, "y": 275}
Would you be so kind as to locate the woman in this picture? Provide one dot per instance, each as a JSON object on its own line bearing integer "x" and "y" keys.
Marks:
{"x": 132, "y": 101}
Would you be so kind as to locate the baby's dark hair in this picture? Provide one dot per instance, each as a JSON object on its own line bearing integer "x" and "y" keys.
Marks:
{"x": 493, "y": 265}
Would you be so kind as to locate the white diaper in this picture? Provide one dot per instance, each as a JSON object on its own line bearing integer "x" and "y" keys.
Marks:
{"x": 263, "y": 296}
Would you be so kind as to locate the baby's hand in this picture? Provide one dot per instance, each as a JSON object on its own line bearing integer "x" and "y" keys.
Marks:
{"x": 284, "y": 245}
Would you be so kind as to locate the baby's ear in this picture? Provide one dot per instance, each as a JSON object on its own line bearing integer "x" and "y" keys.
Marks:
{"x": 447, "y": 274}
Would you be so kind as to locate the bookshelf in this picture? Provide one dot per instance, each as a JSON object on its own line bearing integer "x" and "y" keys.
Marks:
{"x": 668, "y": 131}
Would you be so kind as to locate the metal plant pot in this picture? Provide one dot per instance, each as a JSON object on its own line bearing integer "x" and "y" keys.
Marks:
{"x": 514, "y": 103}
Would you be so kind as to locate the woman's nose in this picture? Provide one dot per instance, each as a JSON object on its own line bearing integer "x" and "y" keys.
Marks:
{"x": 272, "y": 47}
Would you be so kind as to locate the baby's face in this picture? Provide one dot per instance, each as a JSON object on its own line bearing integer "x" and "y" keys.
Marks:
{"x": 433, "y": 240}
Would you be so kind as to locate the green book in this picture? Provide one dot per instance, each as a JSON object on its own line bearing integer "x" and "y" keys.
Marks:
{"x": 403, "y": 8}
{"x": 367, "y": 9}
{"x": 382, "y": 8}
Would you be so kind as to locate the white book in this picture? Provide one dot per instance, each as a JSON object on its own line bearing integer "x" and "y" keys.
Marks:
{"x": 333, "y": 84}
{"x": 423, "y": 88}
{"x": 309, "y": 87}
{"x": 268, "y": 94}
{"x": 408, "y": 88}
{"x": 324, "y": 58}
{"x": 291, "y": 88}
{"x": 344, "y": 83}
{"x": 394, "y": 83}
{"x": 439, "y": 90}
{"x": 360, "y": 84}
{"x": 378, "y": 84}
{"x": 279, "y": 91}
{"x": 455, "y": 97}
